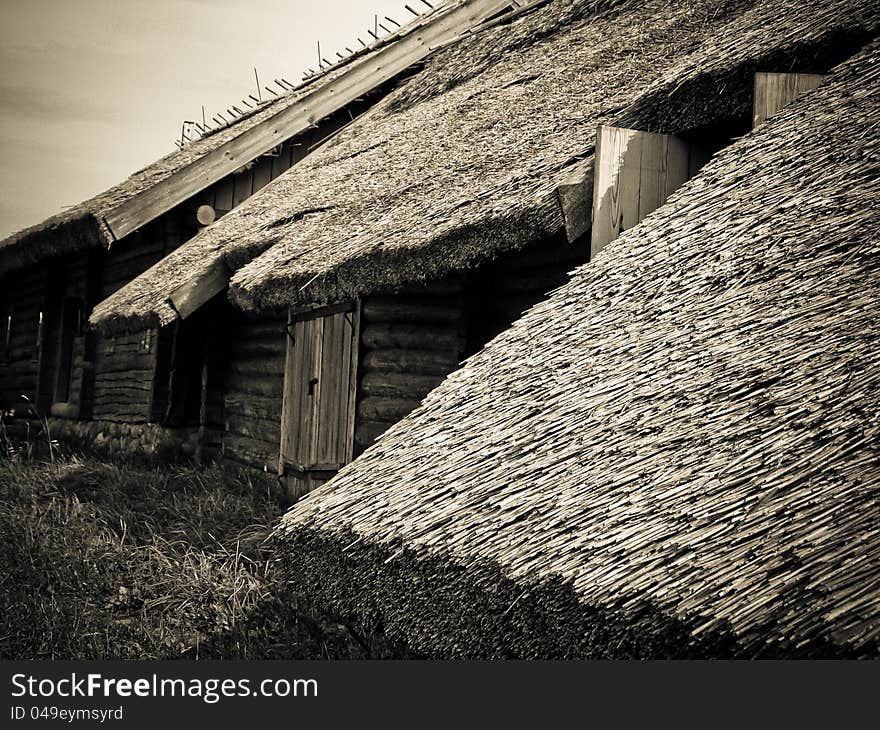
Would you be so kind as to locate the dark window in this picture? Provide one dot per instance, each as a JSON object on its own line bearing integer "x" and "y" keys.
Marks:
{"x": 71, "y": 328}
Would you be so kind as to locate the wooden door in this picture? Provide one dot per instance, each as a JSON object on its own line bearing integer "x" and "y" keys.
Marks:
{"x": 317, "y": 419}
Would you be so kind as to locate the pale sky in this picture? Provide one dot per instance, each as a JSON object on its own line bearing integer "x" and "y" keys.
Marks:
{"x": 92, "y": 90}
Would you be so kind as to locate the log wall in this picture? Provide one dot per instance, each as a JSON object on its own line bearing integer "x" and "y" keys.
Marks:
{"x": 499, "y": 292}
{"x": 125, "y": 367}
{"x": 410, "y": 341}
{"x": 253, "y": 389}
{"x": 23, "y": 297}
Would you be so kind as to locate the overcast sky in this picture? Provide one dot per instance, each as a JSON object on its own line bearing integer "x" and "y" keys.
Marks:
{"x": 92, "y": 90}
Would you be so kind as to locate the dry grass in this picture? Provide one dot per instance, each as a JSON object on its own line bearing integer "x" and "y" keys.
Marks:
{"x": 103, "y": 561}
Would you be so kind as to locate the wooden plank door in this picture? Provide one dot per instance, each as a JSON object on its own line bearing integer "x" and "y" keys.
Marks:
{"x": 634, "y": 174}
{"x": 317, "y": 420}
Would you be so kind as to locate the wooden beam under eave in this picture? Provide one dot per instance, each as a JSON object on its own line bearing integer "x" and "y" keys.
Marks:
{"x": 775, "y": 91}
{"x": 575, "y": 196}
{"x": 375, "y": 70}
{"x": 195, "y": 292}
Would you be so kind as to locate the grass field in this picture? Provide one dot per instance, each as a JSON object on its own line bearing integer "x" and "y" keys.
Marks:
{"x": 113, "y": 560}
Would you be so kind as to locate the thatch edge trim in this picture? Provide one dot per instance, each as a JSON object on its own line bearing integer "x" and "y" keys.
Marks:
{"x": 59, "y": 236}
{"x": 439, "y": 607}
{"x": 457, "y": 249}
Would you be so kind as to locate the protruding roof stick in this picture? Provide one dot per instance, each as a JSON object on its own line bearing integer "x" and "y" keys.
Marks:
{"x": 392, "y": 20}
{"x": 257, "y": 77}
{"x": 320, "y": 62}
{"x": 414, "y": 12}
{"x": 271, "y": 91}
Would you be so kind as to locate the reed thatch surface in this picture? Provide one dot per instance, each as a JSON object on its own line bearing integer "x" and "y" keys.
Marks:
{"x": 462, "y": 162}
{"x": 678, "y": 453}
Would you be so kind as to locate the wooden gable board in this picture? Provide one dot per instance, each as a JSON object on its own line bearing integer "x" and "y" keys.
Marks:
{"x": 774, "y": 91}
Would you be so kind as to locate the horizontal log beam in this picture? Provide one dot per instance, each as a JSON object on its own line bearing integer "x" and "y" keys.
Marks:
{"x": 267, "y": 365}
{"x": 253, "y": 406}
{"x": 385, "y": 409}
{"x": 402, "y": 309}
{"x": 266, "y": 431}
{"x": 423, "y": 337}
{"x": 368, "y": 431}
{"x": 248, "y": 384}
{"x": 192, "y": 294}
{"x": 399, "y": 385}
{"x": 419, "y": 362}
{"x": 262, "y": 455}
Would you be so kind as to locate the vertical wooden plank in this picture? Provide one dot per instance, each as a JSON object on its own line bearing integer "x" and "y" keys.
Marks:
{"x": 678, "y": 168}
{"x": 288, "y": 400}
{"x": 313, "y": 386}
{"x": 634, "y": 174}
{"x": 775, "y": 91}
{"x": 281, "y": 162}
{"x": 302, "y": 415}
{"x": 262, "y": 173}
{"x": 616, "y": 184}
{"x": 652, "y": 173}
{"x": 242, "y": 187}
{"x": 327, "y": 407}
{"x": 223, "y": 195}
{"x": 626, "y": 193}
{"x": 353, "y": 339}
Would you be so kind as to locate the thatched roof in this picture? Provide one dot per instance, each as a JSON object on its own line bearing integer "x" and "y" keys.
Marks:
{"x": 462, "y": 162}
{"x": 678, "y": 453}
{"x": 81, "y": 226}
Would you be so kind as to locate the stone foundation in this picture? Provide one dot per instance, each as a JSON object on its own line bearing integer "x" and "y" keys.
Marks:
{"x": 144, "y": 440}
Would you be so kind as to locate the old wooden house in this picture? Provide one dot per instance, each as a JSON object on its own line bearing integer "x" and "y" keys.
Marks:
{"x": 304, "y": 324}
{"x": 54, "y": 274}
{"x": 676, "y": 454}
